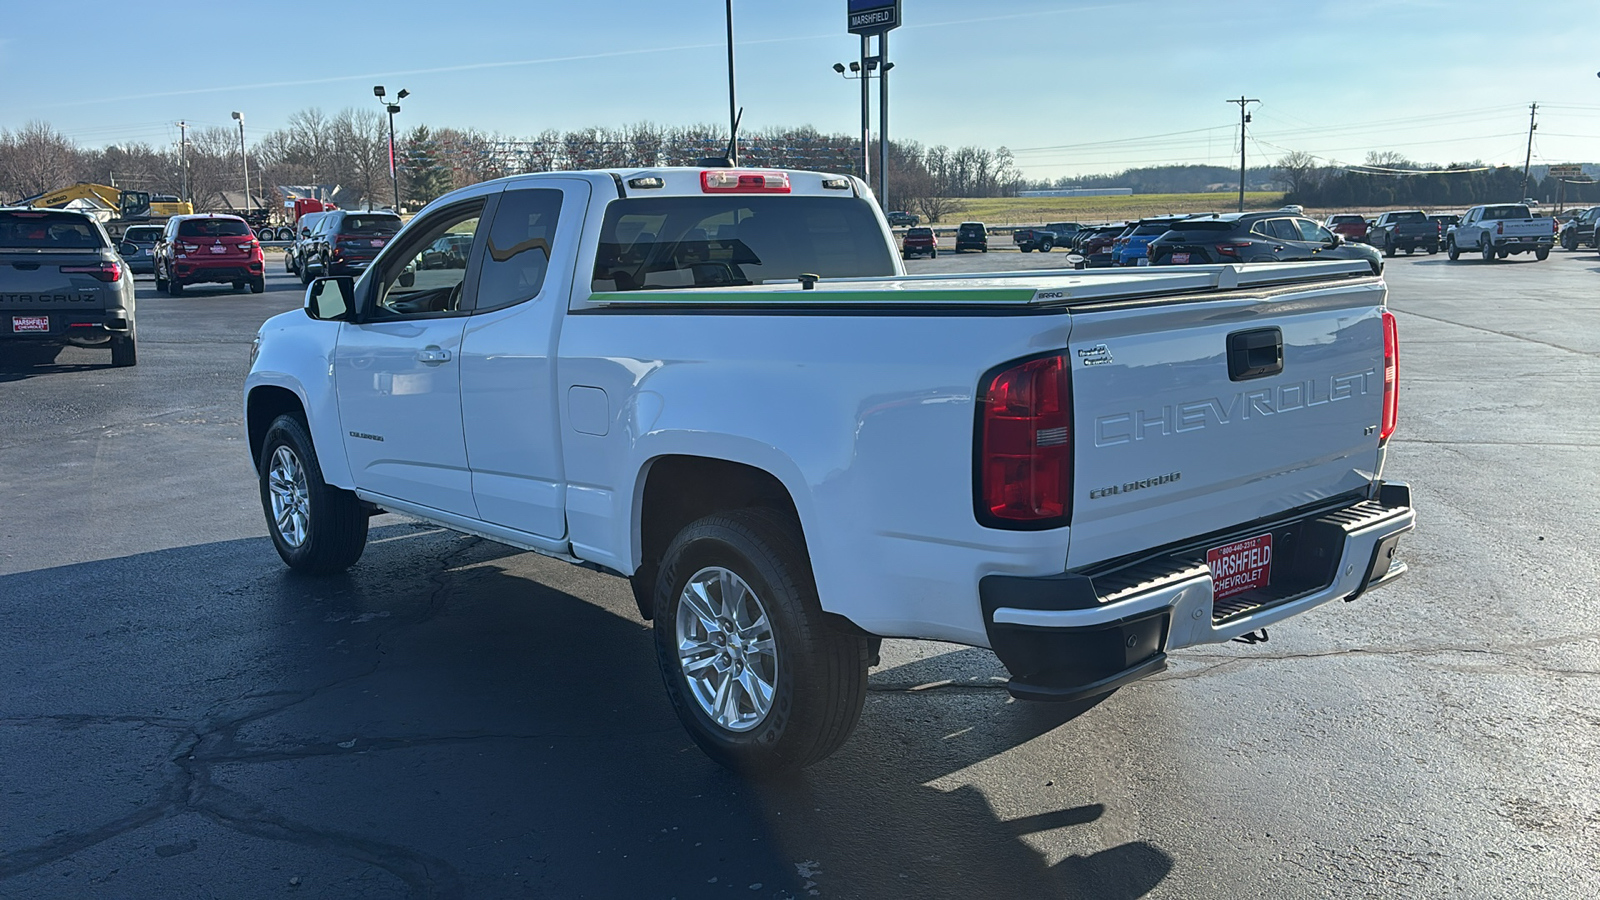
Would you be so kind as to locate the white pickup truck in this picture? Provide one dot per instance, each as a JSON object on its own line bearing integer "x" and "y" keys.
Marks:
{"x": 1497, "y": 231}
{"x": 720, "y": 384}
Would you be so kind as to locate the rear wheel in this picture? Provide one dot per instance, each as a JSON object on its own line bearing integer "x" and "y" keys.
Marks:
{"x": 1542, "y": 254}
{"x": 933, "y": 254}
{"x": 1388, "y": 248}
{"x": 174, "y": 287}
{"x": 124, "y": 350}
{"x": 1024, "y": 248}
{"x": 1569, "y": 241}
{"x": 1045, "y": 247}
{"x": 238, "y": 285}
{"x": 1486, "y": 249}
{"x": 288, "y": 263}
{"x": 258, "y": 284}
{"x": 161, "y": 283}
{"x": 316, "y": 527}
{"x": 758, "y": 678}
{"x": 1433, "y": 248}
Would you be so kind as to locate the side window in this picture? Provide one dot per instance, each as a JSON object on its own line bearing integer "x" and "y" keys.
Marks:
{"x": 1311, "y": 231}
{"x": 1284, "y": 230}
{"x": 1261, "y": 228}
{"x": 423, "y": 275}
{"x": 517, "y": 254}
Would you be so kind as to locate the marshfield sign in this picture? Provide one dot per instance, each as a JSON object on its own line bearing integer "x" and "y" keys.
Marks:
{"x": 873, "y": 16}
{"x": 1568, "y": 171}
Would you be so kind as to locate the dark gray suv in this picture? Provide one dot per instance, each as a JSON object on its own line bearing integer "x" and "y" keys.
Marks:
{"x": 1254, "y": 237}
{"x": 62, "y": 283}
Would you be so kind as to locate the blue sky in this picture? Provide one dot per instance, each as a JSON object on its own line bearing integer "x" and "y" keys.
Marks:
{"x": 1072, "y": 87}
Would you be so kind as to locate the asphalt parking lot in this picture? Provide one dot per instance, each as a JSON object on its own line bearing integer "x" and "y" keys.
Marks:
{"x": 182, "y": 716}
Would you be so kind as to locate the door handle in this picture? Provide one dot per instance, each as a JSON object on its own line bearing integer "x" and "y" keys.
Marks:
{"x": 432, "y": 355}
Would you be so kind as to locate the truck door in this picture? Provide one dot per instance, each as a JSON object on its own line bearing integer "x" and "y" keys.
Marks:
{"x": 510, "y": 410}
{"x": 398, "y": 372}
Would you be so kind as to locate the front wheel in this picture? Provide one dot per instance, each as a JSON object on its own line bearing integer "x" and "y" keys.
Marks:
{"x": 316, "y": 528}
{"x": 1452, "y": 251}
{"x": 762, "y": 683}
{"x": 1569, "y": 242}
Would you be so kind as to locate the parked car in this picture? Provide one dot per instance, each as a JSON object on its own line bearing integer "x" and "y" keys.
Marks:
{"x": 899, "y": 218}
{"x": 1445, "y": 221}
{"x": 1096, "y": 247}
{"x": 976, "y": 460}
{"x": 450, "y": 251}
{"x": 307, "y": 229}
{"x": 209, "y": 248}
{"x": 1406, "y": 230}
{"x": 1253, "y": 238}
{"x": 1496, "y": 231}
{"x": 346, "y": 241}
{"x": 1064, "y": 232}
{"x": 1293, "y": 208}
{"x": 972, "y": 236}
{"x": 919, "y": 242}
{"x": 62, "y": 283}
{"x": 1580, "y": 231}
{"x": 1132, "y": 250}
{"x": 1353, "y": 227}
{"x": 138, "y": 246}
{"x": 1030, "y": 239}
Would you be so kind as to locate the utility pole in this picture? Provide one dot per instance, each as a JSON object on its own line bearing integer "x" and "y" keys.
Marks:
{"x": 245, "y": 157}
{"x": 733, "y": 104}
{"x": 1244, "y": 119}
{"x": 183, "y": 160}
{"x": 866, "y": 110}
{"x": 883, "y": 116}
{"x": 1527, "y": 161}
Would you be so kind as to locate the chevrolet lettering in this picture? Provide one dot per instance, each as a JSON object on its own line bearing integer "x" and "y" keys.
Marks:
{"x": 727, "y": 390}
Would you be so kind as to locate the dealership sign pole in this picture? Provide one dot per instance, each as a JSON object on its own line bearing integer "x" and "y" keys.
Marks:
{"x": 867, "y": 18}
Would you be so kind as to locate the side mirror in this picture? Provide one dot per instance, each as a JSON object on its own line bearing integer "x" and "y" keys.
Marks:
{"x": 127, "y": 249}
{"x": 1336, "y": 239}
{"x": 407, "y": 278}
{"x": 332, "y": 299}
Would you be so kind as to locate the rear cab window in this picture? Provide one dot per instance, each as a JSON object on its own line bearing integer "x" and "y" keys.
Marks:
{"x": 1408, "y": 217}
{"x": 41, "y": 230}
{"x": 1506, "y": 212}
{"x": 369, "y": 224}
{"x": 660, "y": 243}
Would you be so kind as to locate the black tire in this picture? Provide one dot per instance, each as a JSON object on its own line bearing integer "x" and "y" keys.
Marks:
{"x": 820, "y": 674}
{"x": 1451, "y": 250}
{"x": 305, "y": 274}
{"x": 1410, "y": 250}
{"x": 258, "y": 284}
{"x": 161, "y": 283}
{"x": 1045, "y": 247}
{"x": 933, "y": 254}
{"x": 335, "y": 533}
{"x": 124, "y": 350}
{"x": 1542, "y": 254}
{"x": 174, "y": 287}
{"x": 1486, "y": 249}
{"x": 1024, "y": 248}
{"x": 1388, "y": 248}
{"x": 1433, "y": 248}
{"x": 1502, "y": 254}
{"x": 1569, "y": 241}
{"x": 238, "y": 286}
{"x": 288, "y": 263}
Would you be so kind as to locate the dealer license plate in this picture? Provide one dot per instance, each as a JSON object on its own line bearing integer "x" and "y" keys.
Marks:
{"x": 379, "y": 242}
{"x": 218, "y": 248}
{"x": 1180, "y": 258}
{"x": 20, "y": 324}
{"x": 1240, "y": 566}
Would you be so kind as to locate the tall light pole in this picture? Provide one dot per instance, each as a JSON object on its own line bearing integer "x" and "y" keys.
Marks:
{"x": 1244, "y": 119}
{"x": 733, "y": 105}
{"x": 245, "y": 159}
{"x": 392, "y": 108}
{"x": 863, "y": 71}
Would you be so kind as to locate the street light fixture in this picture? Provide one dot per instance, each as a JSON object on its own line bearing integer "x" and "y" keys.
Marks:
{"x": 392, "y": 108}
{"x": 243, "y": 157}
{"x": 864, "y": 74}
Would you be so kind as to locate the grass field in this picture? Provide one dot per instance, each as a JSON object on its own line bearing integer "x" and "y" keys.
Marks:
{"x": 1036, "y": 210}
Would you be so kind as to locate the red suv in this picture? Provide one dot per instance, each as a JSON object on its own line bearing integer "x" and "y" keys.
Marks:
{"x": 208, "y": 249}
{"x": 1353, "y": 227}
{"x": 919, "y": 242}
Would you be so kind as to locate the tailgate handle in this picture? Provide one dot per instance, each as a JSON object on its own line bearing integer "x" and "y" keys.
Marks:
{"x": 1255, "y": 354}
{"x": 26, "y": 267}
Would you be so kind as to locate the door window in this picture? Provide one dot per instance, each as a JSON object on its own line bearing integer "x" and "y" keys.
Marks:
{"x": 1311, "y": 231}
{"x": 517, "y": 254}
{"x": 426, "y": 274}
{"x": 1283, "y": 230}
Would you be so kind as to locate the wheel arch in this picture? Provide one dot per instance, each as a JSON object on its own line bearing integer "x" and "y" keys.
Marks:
{"x": 677, "y": 489}
{"x": 263, "y": 405}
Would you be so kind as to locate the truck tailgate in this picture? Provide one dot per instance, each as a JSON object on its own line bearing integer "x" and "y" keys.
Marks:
{"x": 1185, "y": 424}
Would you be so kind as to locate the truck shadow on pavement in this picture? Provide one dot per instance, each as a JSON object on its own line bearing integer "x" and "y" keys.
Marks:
{"x": 21, "y": 361}
{"x": 453, "y": 718}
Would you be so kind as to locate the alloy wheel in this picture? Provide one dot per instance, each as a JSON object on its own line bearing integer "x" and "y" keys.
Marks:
{"x": 726, "y": 648}
{"x": 291, "y": 501}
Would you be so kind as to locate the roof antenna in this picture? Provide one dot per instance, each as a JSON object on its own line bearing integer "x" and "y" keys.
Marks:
{"x": 730, "y": 157}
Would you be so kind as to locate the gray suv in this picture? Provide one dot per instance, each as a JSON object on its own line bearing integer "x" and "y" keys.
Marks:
{"x": 62, "y": 283}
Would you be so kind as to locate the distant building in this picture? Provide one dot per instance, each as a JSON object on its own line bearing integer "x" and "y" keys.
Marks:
{"x": 1078, "y": 192}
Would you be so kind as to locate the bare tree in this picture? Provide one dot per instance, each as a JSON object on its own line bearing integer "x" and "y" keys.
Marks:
{"x": 1298, "y": 170}
{"x": 34, "y": 159}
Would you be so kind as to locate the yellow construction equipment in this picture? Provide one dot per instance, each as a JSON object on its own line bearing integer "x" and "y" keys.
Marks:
{"x": 124, "y": 207}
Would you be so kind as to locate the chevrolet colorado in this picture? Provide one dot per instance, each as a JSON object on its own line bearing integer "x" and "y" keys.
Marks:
{"x": 719, "y": 384}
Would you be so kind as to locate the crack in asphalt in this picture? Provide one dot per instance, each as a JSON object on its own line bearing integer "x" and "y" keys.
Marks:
{"x": 214, "y": 740}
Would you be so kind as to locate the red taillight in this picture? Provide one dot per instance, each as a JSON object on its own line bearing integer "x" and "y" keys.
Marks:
{"x": 1024, "y": 461}
{"x": 1232, "y": 249}
{"x": 189, "y": 248}
{"x": 732, "y": 181}
{"x": 1391, "y": 377}
{"x": 103, "y": 271}
{"x": 1499, "y": 228}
